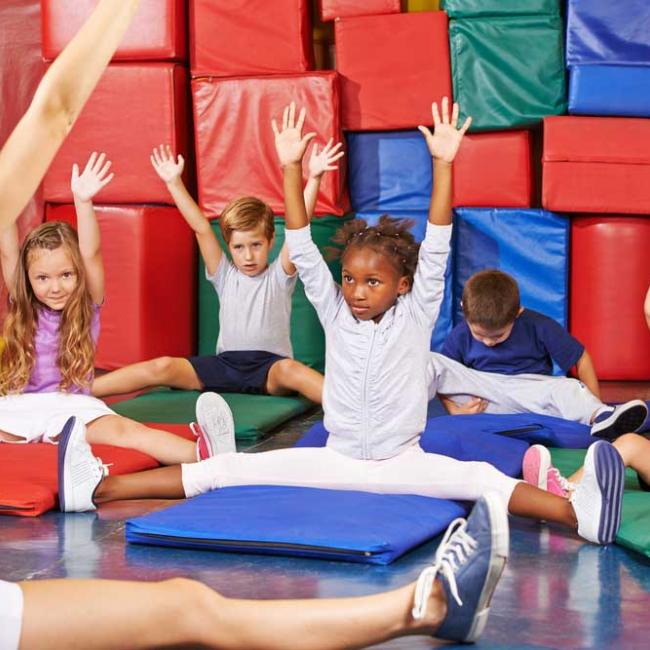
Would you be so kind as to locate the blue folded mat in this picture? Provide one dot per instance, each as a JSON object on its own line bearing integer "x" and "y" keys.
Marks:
{"x": 304, "y": 522}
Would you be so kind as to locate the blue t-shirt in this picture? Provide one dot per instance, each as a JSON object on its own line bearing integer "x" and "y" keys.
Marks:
{"x": 534, "y": 343}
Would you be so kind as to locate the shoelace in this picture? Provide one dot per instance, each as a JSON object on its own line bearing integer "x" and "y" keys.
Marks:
{"x": 103, "y": 467}
{"x": 454, "y": 549}
{"x": 565, "y": 484}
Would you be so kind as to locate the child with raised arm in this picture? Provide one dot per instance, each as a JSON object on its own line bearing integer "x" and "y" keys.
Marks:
{"x": 254, "y": 353}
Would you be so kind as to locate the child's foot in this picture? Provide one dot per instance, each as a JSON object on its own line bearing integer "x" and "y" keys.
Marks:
{"x": 538, "y": 471}
{"x": 79, "y": 471}
{"x": 214, "y": 428}
{"x": 597, "y": 498}
{"x": 613, "y": 422}
{"x": 469, "y": 563}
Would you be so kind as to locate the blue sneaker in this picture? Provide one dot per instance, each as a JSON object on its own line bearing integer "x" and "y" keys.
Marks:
{"x": 613, "y": 422}
{"x": 469, "y": 562}
{"x": 598, "y": 496}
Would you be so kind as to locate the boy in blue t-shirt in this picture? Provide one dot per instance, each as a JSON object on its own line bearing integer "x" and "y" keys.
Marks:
{"x": 507, "y": 354}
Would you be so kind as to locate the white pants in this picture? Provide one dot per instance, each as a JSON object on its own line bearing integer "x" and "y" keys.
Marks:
{"x": 411, "y": 472}
{"x": 11, "y": 615}
{"x": 559, "y": 396}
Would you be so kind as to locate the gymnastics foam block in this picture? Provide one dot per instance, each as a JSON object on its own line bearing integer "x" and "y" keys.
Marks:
{"x": 157, "y": 32}
{"x": 249, "y": 37}
{"x": 609, "y": 90}
{"x": 602, "y": 33}
{"x": 531, "y": 245}
{"x": 392, "y": 67}
{"x": 150, "y": 306}
{"x": 609, "y": 278}
{"x": 479, "y": 8}
{"x": 607, "y": 160}
{"x": 331, "y": 9}
{"x": 391, "y": 171}
{"x": 235, "y": 149}
{"x": 508, "y": 72}
{"x": 134, "y": 108}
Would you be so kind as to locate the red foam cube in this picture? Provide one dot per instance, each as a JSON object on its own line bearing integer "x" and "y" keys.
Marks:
{"x": 610, "y": 275}
{"x": 157, "y": 32}
{"x": 331, "y": 9}
{"x": 494, "y": 170}
{"x": 150, "y": 298}
{"x": 246, "y": 38}
{"x": 392, "y": 67}
{"x": 596, "y": 164}
{"x": 235, "y": 150}
{"x": 134, "y": 108}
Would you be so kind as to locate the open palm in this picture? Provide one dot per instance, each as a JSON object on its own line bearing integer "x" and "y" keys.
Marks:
{"x": 166, "y": 167}
{"x": 289, "y": 141}
{"x": 323, "y": 160}
{"x": 445, "y": 140}
{"x": 95, "y": 176}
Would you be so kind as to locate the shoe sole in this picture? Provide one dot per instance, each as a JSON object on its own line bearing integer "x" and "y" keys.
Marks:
{"x": 541, "y": 467}
{"x": 610, "y": 474}
{"x": 64, "y": 439}
{"x": 211, "y": 408}
{"x": 498, "y": 558}
{"x": 626, "y": 421}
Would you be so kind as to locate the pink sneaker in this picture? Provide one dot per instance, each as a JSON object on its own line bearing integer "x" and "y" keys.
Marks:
{"x": 203, "y": 450}
{"x": 538, "y": 471}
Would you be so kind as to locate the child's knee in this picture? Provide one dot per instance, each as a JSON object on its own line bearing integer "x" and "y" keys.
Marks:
{"x": 197, "y": 604}
{"x": 286, "y": 370}
{"x": 628, "y": 445}
{"x": 161, "y": 368}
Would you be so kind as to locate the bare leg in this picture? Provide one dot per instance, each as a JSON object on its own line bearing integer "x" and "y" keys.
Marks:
{"x": 289, "y": 376}
{"x": 161, "y": 483}
{"x": 163, "y": 371}
{"x": 165, "y": 447}
{"x": 104, "y": 613}
{"x": 9, "y": 437}
{"x": 533, "y": 503}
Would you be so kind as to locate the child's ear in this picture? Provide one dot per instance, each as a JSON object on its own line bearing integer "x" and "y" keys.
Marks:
{"x": 404, "y": 285}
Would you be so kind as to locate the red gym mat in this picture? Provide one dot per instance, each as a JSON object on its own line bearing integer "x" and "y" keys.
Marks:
{"x": 236, "y": 37}
{"x": 494, "y": 170}
{"x": 157, "y": 33}
{"x": 235, "y": 151}
{"x": 392, "y": 68}
{"x": 331, "y": 9}
{"x": 596, "y": 164}
{"x": 134, "y": 108}
{"x": 150, "y": 262}
{"x": 610, "y": 275}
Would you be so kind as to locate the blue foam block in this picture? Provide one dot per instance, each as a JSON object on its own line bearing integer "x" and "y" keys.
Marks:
{"x": 610, "y": 90}
{"x": 304, "y": 522}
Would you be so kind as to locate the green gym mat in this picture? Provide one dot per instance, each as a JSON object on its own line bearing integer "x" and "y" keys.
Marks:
{"x": 508, "y": 72}
{"x": 634, "y": 532}
{"x": 478, "y": 8}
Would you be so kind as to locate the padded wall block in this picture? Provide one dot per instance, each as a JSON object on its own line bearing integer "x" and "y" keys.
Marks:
{"x": 235, "y": 149}
{"x": 331, "y": 9}
{"x": 307, "y": 336}
{"x": 610, "y": 275}
{"x": 421, "y": 5}
{"x": 392, "y": 68}
{"x": 477, "y": 8}
{"x": 601, "y": 32}
{"x": 150, "y": 305}
{"x": 248, "y": 37}
{"x": 531, "y": 245}
{"x": 392, "y": 170}
{"x": 508, "y": 72}
{"x": 134, "y": 108}
{"x": 609, "y": 90}
{"x": 594, "y": 164}
{"x": 158, "y": 30}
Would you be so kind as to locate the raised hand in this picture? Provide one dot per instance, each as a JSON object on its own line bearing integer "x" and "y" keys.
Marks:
{"x": 443, "y": 143}
{"x": 289, "y": 142}
{"x": 323, "y": 161}
{"x": 95, "y": 176}
{"x": 166, "y": 167}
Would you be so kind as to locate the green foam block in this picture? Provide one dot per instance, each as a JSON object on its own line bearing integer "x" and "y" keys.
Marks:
{"x": 478, "y": 8}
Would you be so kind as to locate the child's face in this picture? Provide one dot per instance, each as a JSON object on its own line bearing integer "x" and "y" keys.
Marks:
{"x": 370, "y": 283}
{"x": 490, "y": 337}
{"x": 250, "y": 250}
{"x": 52, "y": 276}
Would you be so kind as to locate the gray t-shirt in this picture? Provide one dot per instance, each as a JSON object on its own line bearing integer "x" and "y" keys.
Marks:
{"x": 254, "y": 312}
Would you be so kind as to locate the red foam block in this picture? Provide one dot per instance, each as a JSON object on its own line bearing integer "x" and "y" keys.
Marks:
{"x": 157, "y": 32}
{"x": 235, "y": 151}
{"x": 392, "y": 68}
{"x": 596, "y": 164}
{"x": 150, "y": 304}
{"x": 610, "y": 275}
{"x": 248, "y": 37}
{"x": 494, "y": 170}
{"x": 331, "y": 9}
{"x": 134, "y": 108}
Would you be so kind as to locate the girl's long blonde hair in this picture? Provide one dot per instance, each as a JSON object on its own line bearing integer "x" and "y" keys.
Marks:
{"x": 76, "y": 355}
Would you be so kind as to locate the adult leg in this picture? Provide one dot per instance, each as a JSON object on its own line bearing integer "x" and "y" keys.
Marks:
{"x": 290, "y": 376}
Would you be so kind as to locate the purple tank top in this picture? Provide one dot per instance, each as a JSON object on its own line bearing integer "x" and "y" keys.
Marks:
{"x": 46, "y": 377}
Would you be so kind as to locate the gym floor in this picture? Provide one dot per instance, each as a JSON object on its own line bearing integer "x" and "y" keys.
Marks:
{"x": 557, "y": 592}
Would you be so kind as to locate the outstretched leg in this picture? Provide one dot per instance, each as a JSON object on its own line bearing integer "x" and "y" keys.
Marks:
{"x": 290, "y": 376}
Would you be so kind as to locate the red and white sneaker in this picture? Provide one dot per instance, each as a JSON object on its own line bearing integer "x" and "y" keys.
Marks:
{"x": 538, "y": 471}
{"x": 214, "y": 428}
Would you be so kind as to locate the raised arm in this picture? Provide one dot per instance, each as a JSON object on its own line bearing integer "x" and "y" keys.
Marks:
{"x": 84, "y": 187}
{"x": 586, "y": 373}
{"x": 58, "y": 100}
{"x": 9, "y": 254}
{"x": 170, "y": 171}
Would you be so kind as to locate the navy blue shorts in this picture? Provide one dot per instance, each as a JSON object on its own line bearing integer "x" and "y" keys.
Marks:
{"x": 242, "y": 371}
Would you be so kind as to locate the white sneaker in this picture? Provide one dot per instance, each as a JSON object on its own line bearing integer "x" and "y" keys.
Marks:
{"x": 79, "y": 471}
{"x": 216, "y": 427}
{"x": 613, "y": 422}
{"x": 598, "y": 497}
